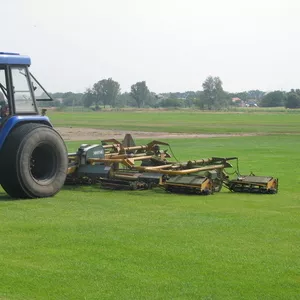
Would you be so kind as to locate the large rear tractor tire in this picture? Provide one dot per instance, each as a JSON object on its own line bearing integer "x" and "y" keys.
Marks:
{"x": 34, "y": 162}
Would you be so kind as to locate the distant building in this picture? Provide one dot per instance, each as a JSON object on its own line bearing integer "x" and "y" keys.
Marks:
{"x": 238, "y": 102}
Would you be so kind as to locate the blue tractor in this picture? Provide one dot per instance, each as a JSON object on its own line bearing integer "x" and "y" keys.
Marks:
{"x": 33, "y": 156}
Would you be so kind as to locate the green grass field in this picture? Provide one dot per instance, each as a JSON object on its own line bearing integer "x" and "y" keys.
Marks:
{"x": 183, "y": 121}
{"x": 87, "y": 243}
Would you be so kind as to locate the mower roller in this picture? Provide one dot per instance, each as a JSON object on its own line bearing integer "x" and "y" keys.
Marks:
{"x": 124, "y": 165}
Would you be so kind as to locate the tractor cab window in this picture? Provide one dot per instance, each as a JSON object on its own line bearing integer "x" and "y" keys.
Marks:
{"x": 22, "y": 93}
{"x": 3, "y": 88}
{"x": 40, "y": 93}
{"x": 4, "y": 109}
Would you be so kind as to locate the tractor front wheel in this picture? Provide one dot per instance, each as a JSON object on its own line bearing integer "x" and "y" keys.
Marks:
{"x": 35, "y": 162}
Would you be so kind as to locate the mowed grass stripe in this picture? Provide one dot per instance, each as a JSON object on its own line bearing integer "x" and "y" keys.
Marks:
{"x": 186, "y": 122}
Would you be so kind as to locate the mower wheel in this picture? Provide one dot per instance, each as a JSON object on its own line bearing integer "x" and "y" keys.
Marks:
{"x": 217, "y": 185}
{"x": 35, "y": 161}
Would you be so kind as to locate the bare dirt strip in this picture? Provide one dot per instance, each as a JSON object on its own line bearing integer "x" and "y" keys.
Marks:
{"x": 80, "y": 134}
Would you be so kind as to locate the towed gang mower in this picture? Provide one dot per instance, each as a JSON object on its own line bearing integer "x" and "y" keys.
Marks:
{"x": 124, "y": 165}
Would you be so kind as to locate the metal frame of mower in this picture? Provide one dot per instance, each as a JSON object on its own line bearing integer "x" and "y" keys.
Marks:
{"x": 124, "y": 165}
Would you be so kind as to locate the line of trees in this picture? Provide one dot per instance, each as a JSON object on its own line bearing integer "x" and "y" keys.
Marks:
{"x": 107, "y": 92}
{"x": 279, "y": 98}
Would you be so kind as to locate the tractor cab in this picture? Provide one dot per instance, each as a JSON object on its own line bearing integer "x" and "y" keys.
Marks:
{"x": 19, "y": 90}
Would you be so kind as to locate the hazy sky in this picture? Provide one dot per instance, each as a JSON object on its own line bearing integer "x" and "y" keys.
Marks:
{"x": 171, "y": 44}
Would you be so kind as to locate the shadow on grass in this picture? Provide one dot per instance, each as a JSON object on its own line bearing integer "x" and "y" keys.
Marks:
{"x": 96, "y": 188}
{"x": 85, "y": 188}
{"x": 5, "y": 197}
{"x": 141, "y": 192}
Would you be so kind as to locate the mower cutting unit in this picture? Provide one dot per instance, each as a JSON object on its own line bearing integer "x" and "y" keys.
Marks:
{"x": 253, "y": 184}
{"x": 124, "y": 165}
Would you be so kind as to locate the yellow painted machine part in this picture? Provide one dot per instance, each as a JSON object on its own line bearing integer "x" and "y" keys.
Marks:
{"x": 206, "y": 185}
{"x": 272, "y": 184}
{"x": 71, "y": 170}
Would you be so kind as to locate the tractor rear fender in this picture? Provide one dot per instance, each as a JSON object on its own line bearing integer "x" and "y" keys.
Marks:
{"x": 16, "y": 121}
